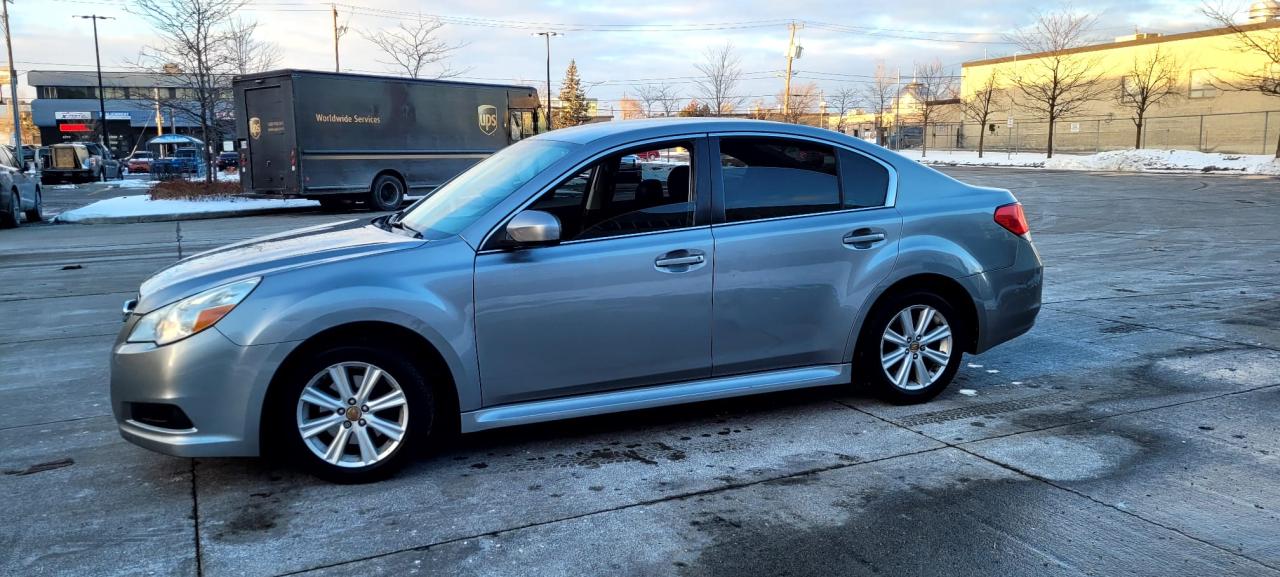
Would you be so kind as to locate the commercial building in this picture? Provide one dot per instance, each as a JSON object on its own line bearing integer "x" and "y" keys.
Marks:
{"x": 1205, "y": 111}
{"x": 138, "y": 107}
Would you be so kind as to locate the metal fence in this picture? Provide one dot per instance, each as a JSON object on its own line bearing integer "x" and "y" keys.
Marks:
{"x": 1235, "y": 133}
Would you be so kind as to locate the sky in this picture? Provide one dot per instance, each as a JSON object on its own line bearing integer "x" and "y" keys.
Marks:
{"x": 617, "y": 45}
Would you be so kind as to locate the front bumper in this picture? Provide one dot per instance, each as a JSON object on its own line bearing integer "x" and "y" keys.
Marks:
{"x": 219, "y": 385}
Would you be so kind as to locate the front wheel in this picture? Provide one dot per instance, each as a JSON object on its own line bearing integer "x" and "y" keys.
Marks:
{"x": 11, "y": 217}
{"x": 909, "y": 348}
{"x": 386, "y": 194}
{"x": 354, "y": 414}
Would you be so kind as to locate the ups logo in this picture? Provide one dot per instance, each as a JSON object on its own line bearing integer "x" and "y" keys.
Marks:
{"x": 255, "y": 127}
{"x": 488, "y": 118}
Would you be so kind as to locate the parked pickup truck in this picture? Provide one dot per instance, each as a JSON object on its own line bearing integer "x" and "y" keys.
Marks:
{"x": 182, "y": 161}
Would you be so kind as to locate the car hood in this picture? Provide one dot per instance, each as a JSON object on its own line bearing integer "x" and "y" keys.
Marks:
{"x": 266, "y": 255}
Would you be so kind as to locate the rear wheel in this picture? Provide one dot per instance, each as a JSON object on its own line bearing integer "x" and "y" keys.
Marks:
{"x": 354, "y": 414}
{"x": 909, "y": 347}
{"x": 10, "y": 218}
{"x": 36, "y": 214}
{"x": 386, "y": 194}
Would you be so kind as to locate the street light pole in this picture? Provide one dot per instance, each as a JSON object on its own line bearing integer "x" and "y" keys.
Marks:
{"x": 13, "y": 87}
{"x": 97, "y": 56}
{"x": 547, "y": 36}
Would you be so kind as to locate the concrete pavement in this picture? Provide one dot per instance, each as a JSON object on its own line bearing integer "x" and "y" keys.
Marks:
{"x": 1133, "y": 431}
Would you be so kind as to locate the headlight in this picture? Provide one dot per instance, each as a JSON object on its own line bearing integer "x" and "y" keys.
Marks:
{"x": 191, "y": 315}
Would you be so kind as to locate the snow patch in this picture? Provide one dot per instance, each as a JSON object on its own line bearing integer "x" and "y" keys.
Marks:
{"x": 968, "y": 392}
{"x": 141, "y": 205}
{"x": 1142, "y": 160}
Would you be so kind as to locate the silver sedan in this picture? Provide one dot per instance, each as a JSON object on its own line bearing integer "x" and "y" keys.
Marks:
{"x": 590, "y": 270}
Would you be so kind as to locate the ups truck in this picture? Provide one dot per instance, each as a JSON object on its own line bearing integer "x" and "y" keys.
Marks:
{"x": 339, "y": 138}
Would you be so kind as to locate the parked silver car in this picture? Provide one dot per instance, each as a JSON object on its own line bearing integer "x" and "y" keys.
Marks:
{"x": 750, "y": 257}
{"x": 20, "y": 194}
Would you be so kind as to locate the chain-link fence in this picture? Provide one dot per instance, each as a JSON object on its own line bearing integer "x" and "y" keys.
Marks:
{"x": 1237, "y": 133}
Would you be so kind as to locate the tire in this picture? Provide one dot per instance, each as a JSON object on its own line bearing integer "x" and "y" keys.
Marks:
{"x": 386, "y": 194}
{"x": 11, "y": 217}
{"x": 36, "y": 214}
{"x": 877, "y": 348}
{"x": 313, "y": 376}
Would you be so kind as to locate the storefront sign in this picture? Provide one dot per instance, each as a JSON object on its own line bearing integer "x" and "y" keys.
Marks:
{"x": 73, "y": 116}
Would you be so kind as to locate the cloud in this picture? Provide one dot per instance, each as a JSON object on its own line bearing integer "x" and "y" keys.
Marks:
{"x": 869, "y": 31}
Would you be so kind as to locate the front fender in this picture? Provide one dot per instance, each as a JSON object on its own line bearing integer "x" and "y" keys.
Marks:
{"x": 427, "y": 290}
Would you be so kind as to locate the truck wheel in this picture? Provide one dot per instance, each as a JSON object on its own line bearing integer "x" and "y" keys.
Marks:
{"x": 387, "y": 193}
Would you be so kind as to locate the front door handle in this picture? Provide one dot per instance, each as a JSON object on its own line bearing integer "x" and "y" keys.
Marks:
{"x": 863, "y": 238}
{"x": 679, "y": 261}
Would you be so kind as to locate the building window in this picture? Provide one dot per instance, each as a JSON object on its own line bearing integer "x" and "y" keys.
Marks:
{"x": 1128, "y": 90}
{"x": 1202, "y": 84}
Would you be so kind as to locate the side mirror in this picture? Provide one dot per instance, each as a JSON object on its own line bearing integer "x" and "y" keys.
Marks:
{"x": 533, "y": 228}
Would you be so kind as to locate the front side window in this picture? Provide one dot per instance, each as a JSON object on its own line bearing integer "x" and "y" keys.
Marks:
{"x": 773, "y": 177}
{"x": 630, "y": 192}
{"x": 470, "y": 195}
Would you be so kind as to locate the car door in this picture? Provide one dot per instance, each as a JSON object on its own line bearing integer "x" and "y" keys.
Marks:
{"x": 804, "y": 231}
{"x": 623, "y": 301}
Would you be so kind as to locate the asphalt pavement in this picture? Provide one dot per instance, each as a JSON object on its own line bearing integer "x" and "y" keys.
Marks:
{"x": 1134, "y": 431}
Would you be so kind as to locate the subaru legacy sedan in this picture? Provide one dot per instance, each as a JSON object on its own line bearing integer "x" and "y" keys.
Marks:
{"x": 747, "y": 257}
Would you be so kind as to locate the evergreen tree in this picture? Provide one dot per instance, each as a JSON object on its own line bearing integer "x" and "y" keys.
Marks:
{"x": 573, "y": 100}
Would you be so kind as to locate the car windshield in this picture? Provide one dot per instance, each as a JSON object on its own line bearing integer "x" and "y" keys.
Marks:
{"x": 471, "y": 194}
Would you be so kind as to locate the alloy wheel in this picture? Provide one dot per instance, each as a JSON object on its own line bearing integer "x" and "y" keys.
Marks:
{"x": 352, "y": 415}
{"x": 915, "y": 347}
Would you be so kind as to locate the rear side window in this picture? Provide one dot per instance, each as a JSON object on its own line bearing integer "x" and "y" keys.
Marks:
{"x": 865, "y": 182}
{"x": 773, "y": 177}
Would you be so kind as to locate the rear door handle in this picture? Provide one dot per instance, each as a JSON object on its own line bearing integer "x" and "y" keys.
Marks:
{"x": 679, "y": 261}
{"x": 863, "y": 238}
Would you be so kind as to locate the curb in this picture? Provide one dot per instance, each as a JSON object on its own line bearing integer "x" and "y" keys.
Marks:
{"x": 134, "y": 219}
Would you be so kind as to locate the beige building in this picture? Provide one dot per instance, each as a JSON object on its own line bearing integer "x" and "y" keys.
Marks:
{"x": 1204, "y": 113}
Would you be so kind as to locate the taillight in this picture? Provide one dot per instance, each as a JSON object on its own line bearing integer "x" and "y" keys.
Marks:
{"x": 293, "y": 159}
{"x": 1010, "y": 216}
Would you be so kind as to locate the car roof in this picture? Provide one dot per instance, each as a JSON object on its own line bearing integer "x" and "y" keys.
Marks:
{"x": 605, "y": 133}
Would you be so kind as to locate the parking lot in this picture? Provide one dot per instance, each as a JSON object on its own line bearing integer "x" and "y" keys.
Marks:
{"x": 1135, "y": 430}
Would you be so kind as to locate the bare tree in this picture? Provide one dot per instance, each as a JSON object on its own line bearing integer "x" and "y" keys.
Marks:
{"x": 878, "y": 96}
{"x": 247, "y": 53}
{"x": 657, "y": 96}
{"x": 933, "y": 88}
{"x": 721, "y": 75}
{"x": 979, "y": 105}
{"x": 1260, "y": 40}
{"x": 414, "y": 44}
{"x": 192, "y": 48}
{"x": 842, "y": 102}
{"x": 804, "y": 98}
{"x": 1150, "y": 80}
{"x": 1056, "y": 81}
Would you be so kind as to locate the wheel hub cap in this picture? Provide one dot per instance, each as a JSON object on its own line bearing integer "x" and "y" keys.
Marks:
{"x": 352, "y": 414}
{"x": 915, "y": 347}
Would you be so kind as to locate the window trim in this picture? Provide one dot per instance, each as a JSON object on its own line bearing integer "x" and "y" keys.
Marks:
{"x": 717, "y": 181}
{"x": 701, "y": 181}
{"x": 1206, "y": 90}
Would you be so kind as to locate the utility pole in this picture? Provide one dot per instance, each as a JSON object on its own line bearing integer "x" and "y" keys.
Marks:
{"x": 13, "y": 88}
{"x": 896, "y": 141}
{"x": 159, "y": 117}
{"x": 102, "y": 101}
{"x": 791, "y": 55}
{"x": 336, "y": 65}
{"x": 547, "y": 36}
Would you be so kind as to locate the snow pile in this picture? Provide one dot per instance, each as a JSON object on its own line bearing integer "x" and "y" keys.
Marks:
{"x": 140, "y": 208}
{"x": 1148, "y": 160}
{"x": 1143, "y": 160}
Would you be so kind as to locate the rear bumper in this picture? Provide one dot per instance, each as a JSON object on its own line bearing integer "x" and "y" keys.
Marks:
{"x": 1007, "y": 299}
